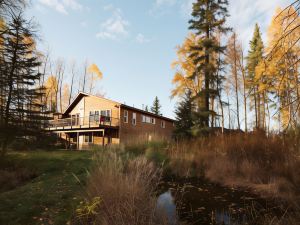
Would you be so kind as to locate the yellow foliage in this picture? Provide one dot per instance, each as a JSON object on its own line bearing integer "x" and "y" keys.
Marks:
{"x": 93, "y": 68}
{"x": 185, "y": 69}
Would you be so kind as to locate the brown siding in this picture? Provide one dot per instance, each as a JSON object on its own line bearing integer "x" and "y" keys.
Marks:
{"x": 143, "y": 131}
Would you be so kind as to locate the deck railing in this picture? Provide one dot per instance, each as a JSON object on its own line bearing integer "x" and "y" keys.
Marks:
{"x": 83, "y": 122}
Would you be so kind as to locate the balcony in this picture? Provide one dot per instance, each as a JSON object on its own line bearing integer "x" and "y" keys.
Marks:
{"x": 83, "y": 122}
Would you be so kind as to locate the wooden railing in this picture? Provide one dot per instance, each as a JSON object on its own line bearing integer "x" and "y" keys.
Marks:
{"x": 83, "y": 122}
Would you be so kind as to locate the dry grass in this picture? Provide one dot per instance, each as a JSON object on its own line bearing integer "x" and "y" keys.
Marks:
{"x": 268, "y": 165}
{"x": 121, "y": 192}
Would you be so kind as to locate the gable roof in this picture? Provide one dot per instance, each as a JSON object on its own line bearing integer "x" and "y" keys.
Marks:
{"x": 79, "y": 97}
{"x": 82, "y": 94}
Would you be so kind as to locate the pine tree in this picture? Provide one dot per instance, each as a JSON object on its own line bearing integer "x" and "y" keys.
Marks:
{"x": 184, "y": 117}
{"x": 255, "y": 56}
{"x": 209, "y": 17}
{"x": 156, "y": 106}
{"x": 146, "y": 108}
{"x": 19, "y": 77}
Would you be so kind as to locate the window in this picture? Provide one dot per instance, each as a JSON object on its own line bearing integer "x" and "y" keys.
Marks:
{"x": 125, "y": 116}
{"x": 148, "y": 119}
{"x": 134, "y": 119}
{"x": 153, "y": 120}
{"x": 163, "y": 124}
{"x": 92, "y": 116}
{"x": 88, "y": 138}
{"x": 75, "y": 120}
{"x": 105, "y": 115}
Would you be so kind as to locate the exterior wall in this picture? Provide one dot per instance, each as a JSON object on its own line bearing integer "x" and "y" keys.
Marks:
{"x": 92, "y": 103}
{"x": 143, "y": 131}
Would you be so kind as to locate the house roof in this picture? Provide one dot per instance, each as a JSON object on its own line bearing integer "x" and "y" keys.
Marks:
{"x": 82, "y": 94}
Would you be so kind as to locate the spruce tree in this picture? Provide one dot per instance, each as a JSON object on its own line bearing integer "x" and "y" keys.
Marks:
{"x": 208, "y": 22}
{"x": 255, "y": 55}
{"x": 20, "y": 95}
{"x": 156, "y": 107}
{"x": 184, "y": 117}
{"x": 146, "y": 108}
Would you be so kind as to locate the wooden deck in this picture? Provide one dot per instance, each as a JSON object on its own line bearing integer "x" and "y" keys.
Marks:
{"x": 82, "y": 123}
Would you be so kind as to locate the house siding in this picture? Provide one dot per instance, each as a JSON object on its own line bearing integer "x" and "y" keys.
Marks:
{"x": 143, "y": 131}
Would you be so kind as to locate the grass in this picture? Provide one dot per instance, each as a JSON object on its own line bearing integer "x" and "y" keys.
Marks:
{"x": 121, "y": 191}
{"x": 48, "y": 192}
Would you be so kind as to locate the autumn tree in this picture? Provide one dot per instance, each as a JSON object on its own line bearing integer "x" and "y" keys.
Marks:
{"x": 232, "y": 58}
{"x": 185, "y": 67}
{"x": 94, "y": 75}
{"x": 209, "y": 17}
{"x": 281, "y": 66}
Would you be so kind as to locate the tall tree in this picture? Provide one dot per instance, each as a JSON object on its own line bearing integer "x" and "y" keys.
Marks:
{"x": 281, "y": 67}
{"x": 209, "y": 17}
{"x": 94, "y": 74}
{"x": 184, "y": 116}
{"x": 156, "y": 106}
{"x": 19, "y": 79}
{"x": 232, "y": 58}
{"x": 255, "y": 56}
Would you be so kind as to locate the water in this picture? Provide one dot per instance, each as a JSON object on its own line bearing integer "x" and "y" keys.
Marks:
{"x": 199, "y": 202}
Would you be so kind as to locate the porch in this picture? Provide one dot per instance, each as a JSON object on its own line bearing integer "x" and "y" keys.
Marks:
{"x": 88, "y": 138}
{"x": 76, "y": 122}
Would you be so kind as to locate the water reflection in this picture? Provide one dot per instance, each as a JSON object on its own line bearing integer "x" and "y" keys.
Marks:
{"x": 166, "y": 202}
{"x": 199, "y": 202}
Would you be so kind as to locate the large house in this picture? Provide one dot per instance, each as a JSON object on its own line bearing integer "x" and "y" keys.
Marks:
{"x": 91, "y": 120}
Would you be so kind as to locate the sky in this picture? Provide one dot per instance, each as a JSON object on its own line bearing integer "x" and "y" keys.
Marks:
{"x": 133, "y": 42}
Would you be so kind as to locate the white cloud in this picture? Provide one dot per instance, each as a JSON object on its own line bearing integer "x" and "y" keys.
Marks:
{"x": 140, "y": 38}
{"x": 115, "y": 27}
{"x": 244, "y": 14}
{"x": 62, "y": 6}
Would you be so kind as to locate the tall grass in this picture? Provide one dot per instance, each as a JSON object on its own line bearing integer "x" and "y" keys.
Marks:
{"x": 269, "y": 165}
{"x": 121, "y": 191}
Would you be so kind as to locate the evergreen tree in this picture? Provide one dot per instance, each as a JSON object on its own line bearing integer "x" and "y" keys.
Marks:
{"x": 146, "y": 108}
{"x": 209, "y": 17}
{"x": 255, "y": 55}
{"x": 184, "y": 117}
{"x": 20, "y": 94}
{"x": 156, "y": 106}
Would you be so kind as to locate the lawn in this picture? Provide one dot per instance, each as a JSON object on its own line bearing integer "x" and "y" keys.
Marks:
{"x": 51, "y": 192}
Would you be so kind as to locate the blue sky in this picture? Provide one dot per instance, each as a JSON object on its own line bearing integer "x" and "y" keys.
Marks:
{"x": 133, "y": 42}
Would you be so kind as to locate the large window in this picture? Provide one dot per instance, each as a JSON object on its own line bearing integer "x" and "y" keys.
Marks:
{"x": 163, "y": 124}
{"x": 105, "y": 115}
{"x": 148, "y": 119}
{"x": 125, "y": 116}
{"x": 134, "y": 119}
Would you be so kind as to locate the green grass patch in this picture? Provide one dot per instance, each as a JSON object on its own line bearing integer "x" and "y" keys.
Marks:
{"x": 52, "y": 190}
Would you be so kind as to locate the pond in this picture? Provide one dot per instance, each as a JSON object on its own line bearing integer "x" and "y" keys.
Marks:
{"x": 199, "y": 202}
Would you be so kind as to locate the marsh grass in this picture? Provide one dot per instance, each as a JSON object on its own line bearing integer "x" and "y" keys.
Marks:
{"x": 125, "y": 188}
{"x": 268, "y": 165}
